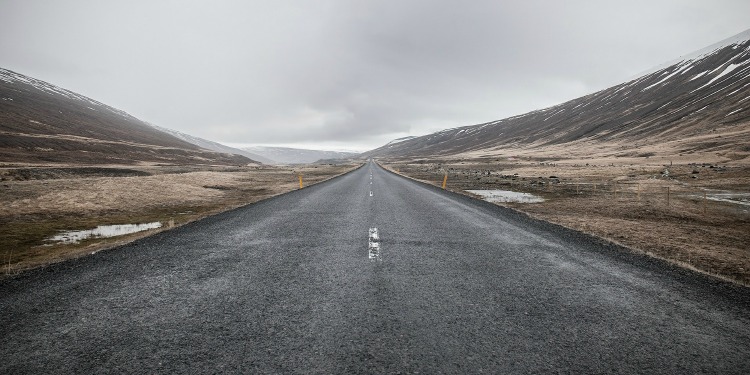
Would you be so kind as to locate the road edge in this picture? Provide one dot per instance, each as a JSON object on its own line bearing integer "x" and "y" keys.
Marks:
{"x": 617, "y": 249}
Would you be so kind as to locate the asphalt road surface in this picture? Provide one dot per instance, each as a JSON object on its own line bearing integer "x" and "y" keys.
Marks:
{"x": 371, "y": 273}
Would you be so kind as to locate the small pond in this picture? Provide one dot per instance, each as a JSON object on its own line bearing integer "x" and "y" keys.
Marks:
{"x": 507, "y": 196}
{"x": 102, "y": 231}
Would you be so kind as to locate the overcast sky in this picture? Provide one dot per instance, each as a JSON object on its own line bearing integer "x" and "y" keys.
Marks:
{"x": 347, "y": 74}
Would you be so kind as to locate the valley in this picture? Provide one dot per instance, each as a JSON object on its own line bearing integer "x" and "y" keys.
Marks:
{"x": 373, "y": 187}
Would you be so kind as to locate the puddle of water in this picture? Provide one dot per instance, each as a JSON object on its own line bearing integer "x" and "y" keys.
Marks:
{"x": 506, "y": 196}
{"x": 103, "y": 231}
{"x": 736, "y": 198}
{"x": 742, "y": 199}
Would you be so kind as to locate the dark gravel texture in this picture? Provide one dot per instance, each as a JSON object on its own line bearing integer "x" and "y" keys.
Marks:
{"x": 285, "y": 286}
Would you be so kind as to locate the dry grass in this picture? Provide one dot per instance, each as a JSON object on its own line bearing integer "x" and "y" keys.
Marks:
{"x": 54, "y": 199}
{"x": 603, "y": 200}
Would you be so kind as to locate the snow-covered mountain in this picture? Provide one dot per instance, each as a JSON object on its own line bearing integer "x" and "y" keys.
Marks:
{"x": 13, "y": 78}
{"x": 286, "y": 155}
{"x": 698, "y": 103}
{"x": 211, "y": 145}
{"x": 44, "y": 123}
{"x": 399, "y": 140}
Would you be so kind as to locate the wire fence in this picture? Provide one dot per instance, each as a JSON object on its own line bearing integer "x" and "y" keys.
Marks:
{"x": 657, "y": 193}
{"x": 653, "y": 192}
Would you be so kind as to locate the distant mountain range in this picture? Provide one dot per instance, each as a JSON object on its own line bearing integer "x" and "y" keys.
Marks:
{"x": 699, "y": 103}
{"x": 43, "y": 123}
{"x": 215, "y": 146}
{"x": 285, "y": 155}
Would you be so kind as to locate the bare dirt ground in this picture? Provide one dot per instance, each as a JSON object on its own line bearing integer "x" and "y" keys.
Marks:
{"x": 645, "y": 205}
{"x": 39, "y": 202}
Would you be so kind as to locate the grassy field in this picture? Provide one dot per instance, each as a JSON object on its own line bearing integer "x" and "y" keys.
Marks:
{"x": 653, "y": 208}
{"x": 39, "y": 202}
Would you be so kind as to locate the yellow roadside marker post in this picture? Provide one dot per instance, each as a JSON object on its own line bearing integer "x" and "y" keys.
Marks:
{"x": 300, "y": 182}
{"x": 639, "y": 192}
{"x": 445, "y": 180}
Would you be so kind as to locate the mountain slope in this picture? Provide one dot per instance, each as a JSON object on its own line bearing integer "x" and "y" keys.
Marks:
{"x": 700, "y": 103}
{"x": 43, "y": 123}
{"x": 286, "y": 155}
{"x": 214, "y": 146}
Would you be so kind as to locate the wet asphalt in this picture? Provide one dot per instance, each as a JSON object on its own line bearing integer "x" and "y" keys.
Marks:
{"x": 287, "y": 286}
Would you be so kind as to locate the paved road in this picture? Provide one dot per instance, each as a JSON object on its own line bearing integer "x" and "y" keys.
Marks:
{"x": 288, "y": 285}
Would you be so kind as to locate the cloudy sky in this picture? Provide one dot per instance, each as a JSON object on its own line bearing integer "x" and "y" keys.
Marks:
{"x": 347, "y": 74}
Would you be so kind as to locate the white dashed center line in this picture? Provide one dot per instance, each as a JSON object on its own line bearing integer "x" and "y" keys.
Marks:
{"x": 374, "y": 244}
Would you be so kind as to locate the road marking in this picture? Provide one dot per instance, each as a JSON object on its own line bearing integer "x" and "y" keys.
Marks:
{"x": 373, "y": 248}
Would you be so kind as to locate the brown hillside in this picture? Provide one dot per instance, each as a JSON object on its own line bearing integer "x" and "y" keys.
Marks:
{"x": 42, "y": 123}
{"x": 699, "y": 105}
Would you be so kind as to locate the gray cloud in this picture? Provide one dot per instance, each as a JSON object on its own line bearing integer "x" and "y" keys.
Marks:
{"x": 347, "y": 73}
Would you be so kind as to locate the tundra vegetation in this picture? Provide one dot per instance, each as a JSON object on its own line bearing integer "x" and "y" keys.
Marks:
{"x": 694, "y": 214}
{"x": 38, "y": 202}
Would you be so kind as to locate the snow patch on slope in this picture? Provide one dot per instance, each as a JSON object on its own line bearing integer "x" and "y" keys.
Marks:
{"x": 14, "y": 78}
{"x": 733, "y": 41}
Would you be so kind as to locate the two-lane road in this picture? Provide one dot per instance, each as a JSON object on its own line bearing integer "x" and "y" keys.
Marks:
{"x": 289, "y": 285}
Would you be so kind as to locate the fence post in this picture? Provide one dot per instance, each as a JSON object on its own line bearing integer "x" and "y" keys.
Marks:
{"x": 639, "y": 192}
{"x": 704, "y": 202}
{"x": 615, "y": 188}
{"x": 667, "y": 196}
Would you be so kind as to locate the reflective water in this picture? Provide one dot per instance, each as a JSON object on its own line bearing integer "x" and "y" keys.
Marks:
{"x": 102, "y": 231}
{"x": 506, "y": 196}
{"x": 730, "y": 197}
